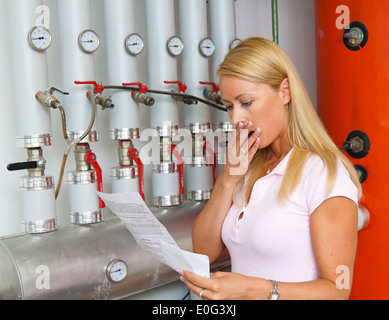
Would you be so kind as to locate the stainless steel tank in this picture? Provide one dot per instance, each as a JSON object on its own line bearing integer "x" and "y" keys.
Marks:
{"x": 71, "y": 262}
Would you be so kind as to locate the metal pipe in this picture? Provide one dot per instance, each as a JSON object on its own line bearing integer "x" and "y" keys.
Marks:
{"x": 274, "y": 7}
{"x": 71, "y": 262}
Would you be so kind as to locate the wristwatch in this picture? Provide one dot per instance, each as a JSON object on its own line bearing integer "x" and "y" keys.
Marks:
{"x": 274, "y": 294}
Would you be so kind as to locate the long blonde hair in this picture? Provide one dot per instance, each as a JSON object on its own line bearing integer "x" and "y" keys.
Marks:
{"x": 260, "y": 60}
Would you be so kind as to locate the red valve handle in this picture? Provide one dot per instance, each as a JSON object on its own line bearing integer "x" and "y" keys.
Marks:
{"x": 134, "y": 154}
{"x": 212, "y": 154}
{"x": 91, "y": 158}
{"x": 174, "y": 151}
{"x": 142, "y": 87}
{"x": 181, "y": 86}
{"x": 99, "y": 88}
{"x": 215, "y": 88}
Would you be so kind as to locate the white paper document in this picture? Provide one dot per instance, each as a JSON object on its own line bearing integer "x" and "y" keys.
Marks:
{"x": 151, "y": 235}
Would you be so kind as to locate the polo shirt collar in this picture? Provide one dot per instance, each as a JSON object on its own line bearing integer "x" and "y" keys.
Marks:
{"x": 281, "y": 167}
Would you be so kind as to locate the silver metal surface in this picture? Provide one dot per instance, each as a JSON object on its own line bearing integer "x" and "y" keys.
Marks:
{"x": 93, "y": 136}
{"x": 39, "y": 226}
{"x": 86, "y": 217}
{"x": 36, "y": 183}
{"x": 168, "y": 200}
{"x": 34, "y": 141}
{"x": 198, "y": 195}
{"x": 127, "y": 173}
{"x": 124, "y": 134}
{"x": 75, "y": 257}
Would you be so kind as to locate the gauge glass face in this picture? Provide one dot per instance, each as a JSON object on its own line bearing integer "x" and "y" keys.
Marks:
{"x": 134, "y": 44}
{"x": 117, "y": 271}
{"x": 89, "y": 41}
{"x": 234, "y": 43}
{"x": 175, "y": 46}
{"x": 40, "y": 38}
{"x": 207, "y": 47}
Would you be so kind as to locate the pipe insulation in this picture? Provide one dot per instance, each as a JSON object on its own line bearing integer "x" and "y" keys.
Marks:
{"x": 121, "y": 68}
{"x": 74, "y": 17}
{"x": 223, "y": 32}
{"x": 194, "y": 67}
{"x": 33, "y": 122}
{"x": 160, "y": 25}
{"x": 74, "y": 259}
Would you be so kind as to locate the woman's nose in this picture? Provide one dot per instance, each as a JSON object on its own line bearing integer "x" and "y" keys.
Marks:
{"x": 236, "y": 116}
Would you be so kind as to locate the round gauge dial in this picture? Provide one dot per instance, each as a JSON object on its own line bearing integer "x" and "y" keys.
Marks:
{"x": 39, "y": 38}
{"x": 207, "y": 47}
{"x": 175, "y": 46}
{"x": 89, "y": 41}
{"x": 234, "y": 43}
{"x": 116, "y": 270}
{"x": 134, "y": 44}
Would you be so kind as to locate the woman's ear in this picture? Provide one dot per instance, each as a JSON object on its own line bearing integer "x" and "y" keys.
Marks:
{"x": 285, "y": 91}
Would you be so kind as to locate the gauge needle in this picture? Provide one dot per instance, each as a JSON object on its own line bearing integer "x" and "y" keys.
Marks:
{"x": 118, "y": 270}
{"x": 40, "y": 38}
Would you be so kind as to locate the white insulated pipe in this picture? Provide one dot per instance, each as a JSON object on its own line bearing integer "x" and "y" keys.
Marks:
{"x": 33, "y": 122}
{"x": 194, "y": 67}
{"x": 74, "y": 17}
{"x": 223, "y": 32}
{"x": 124, "y": 119}
{"x": 160, "y": 24}
{"x": 29, "y": 68}
{"x": 122, "y": 67}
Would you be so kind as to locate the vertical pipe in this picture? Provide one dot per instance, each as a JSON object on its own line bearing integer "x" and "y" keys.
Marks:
{"x": 9, "y": 223}
{"x": 121, "y": 67}
{"x": 193, "y": 28}
{"x": 33, "y": 126}
{"x": 160, "y": 24}
{"x": 33, "y": 122}
{"x": 223, "y": 31}
{"x": 274, "y": 9}
{"x": 74, "y": 16}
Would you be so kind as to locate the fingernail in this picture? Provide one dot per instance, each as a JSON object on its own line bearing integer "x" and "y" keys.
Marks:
{"x": 258, "y": 129}
{"x": 182, "y": 279}
{"x": 258, "y": 139}
{"x": 250, "y": 123}
{"x": 239, "y": 124}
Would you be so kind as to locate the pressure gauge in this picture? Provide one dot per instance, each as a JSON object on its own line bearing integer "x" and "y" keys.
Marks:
{"x": 116, "y": 270}
{"x": 234, "y": 43}
{"x": 207, "y": 47}
{"x": 134, "y": 44}
{"x": 39, "y": 38}
{"x": 88, "y": 41}
{"x": 175, "y": 46}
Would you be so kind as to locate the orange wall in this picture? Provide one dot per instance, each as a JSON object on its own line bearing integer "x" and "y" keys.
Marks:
{"x": 353, "y": 94}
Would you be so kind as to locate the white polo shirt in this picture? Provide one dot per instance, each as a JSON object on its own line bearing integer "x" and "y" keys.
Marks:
{"x": 272, "y": 240}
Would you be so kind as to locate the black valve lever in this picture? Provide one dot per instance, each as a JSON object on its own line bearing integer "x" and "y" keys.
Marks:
{"x": 22, "y": 165}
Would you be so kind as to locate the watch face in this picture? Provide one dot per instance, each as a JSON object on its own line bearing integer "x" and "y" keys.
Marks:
{"x": 134, "y": 44}
{"x": 175, "y": 46}
{"x": 39, "y": 38}
{"x": 89, "y": 41}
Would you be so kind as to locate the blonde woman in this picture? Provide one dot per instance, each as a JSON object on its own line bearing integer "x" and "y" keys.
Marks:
{"x": 284, "y": 206}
